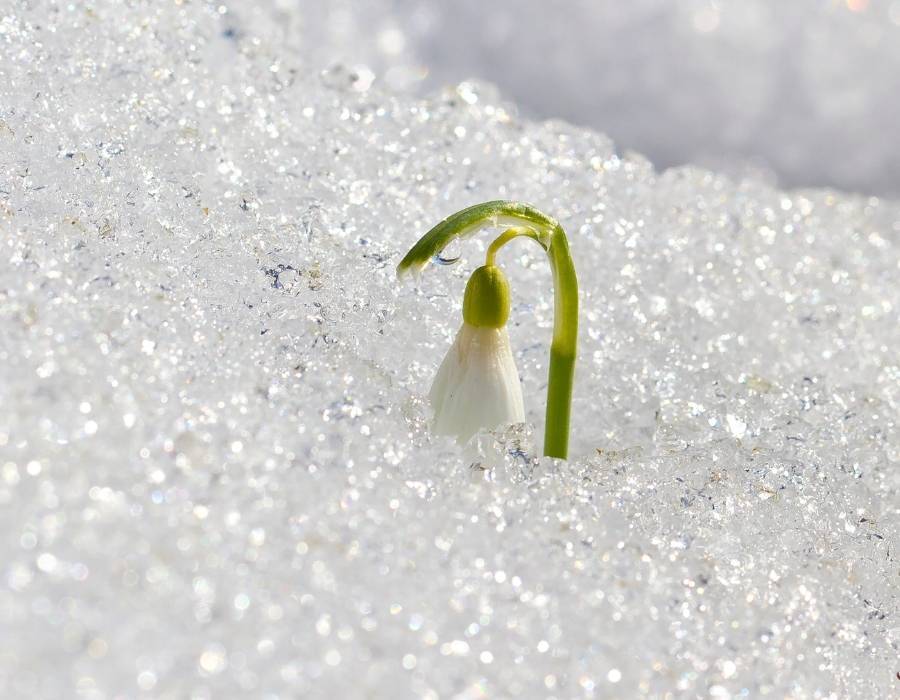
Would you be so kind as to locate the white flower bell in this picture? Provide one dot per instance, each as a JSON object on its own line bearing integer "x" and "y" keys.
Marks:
{"x": 477, "y": 385}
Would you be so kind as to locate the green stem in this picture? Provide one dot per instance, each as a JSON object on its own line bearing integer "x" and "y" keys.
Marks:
{"x": 552, "y": 238}
{"x": 505, "y": 238}
{"x": 563, "y": 347}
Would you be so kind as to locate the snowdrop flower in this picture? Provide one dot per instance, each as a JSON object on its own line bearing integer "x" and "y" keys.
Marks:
{"x": 477, "y": 385}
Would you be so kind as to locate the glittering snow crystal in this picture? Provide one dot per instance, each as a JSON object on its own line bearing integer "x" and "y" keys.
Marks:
{"x": 216, "y": 473}
{"x": 807, "y": 91}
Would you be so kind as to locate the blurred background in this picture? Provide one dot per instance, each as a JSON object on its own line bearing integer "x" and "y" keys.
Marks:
{"x": 803, "y": 93}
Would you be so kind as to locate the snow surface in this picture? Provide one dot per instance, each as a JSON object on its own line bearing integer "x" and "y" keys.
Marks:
{"x": 216, "y": 477}
{"x": 806, "y": 91}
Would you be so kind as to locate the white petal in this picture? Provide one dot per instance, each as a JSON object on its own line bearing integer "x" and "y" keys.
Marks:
{"x": 477, "y": 386}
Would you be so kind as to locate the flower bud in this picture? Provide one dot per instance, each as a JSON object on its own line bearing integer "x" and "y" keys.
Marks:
{"x": 486, "y": 302}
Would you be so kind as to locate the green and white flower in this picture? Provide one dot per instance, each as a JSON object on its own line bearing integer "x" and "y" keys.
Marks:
{"x": 477, "y": 385}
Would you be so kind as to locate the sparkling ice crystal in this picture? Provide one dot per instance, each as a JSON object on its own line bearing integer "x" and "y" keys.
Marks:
{"x": 216, "y": 474}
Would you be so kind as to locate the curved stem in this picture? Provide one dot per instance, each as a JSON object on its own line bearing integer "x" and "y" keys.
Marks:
{"x": 563, "y": 347}
{"x": 505, "y": 238}
{"x": 552, "y": 238}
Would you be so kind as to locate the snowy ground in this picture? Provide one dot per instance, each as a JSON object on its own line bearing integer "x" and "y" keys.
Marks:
{"x": 806, "y": 91}
{"x": 216, "y": 477}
